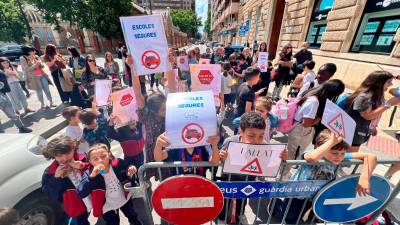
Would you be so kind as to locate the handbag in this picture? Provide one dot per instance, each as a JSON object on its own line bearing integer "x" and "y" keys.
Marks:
{"x": 66, "y": 81}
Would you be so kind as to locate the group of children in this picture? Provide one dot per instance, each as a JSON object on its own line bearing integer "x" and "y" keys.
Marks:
{"x": 86, "y": 177}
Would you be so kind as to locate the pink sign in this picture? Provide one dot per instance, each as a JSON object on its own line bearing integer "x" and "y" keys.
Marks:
{"x": 124, "y": 107}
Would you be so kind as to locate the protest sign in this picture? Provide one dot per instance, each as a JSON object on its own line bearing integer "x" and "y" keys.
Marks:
{"x": 146, "y": 41}
{"x": 204, "y": 61}
{"x": 190, "y": 119}
{"x": 206, "y": 77}
{"x": 257, "y": 160}
{"x": 338, "y": 121}
{"x": 262, "y": 61}
{"x": 102, "y": 91}
{"x": 183, "y": 62}
{"x": 124, "y": 106}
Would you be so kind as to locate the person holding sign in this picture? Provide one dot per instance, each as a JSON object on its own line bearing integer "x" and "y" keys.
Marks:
{"x": 207, "y": 153}
{"x": 265, "y": 77}
{"x": 251, "y": 131}
{"x": 368, "y": 103}
{"x": 331, "y": 148}
{"x": 91, "y": 73}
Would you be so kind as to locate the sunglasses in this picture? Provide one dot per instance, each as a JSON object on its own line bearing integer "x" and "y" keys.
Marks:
{"x": 91, "y": 60}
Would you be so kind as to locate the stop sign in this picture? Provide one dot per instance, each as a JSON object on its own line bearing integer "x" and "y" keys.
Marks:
{"x": 205, "y": 76}
{"x": 187, "y": 200}
{"x": 126, "y": 99}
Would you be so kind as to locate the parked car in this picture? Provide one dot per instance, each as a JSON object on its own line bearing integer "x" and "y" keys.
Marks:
{"x": 21, "y": 169}
{"x": 12, "y": 52}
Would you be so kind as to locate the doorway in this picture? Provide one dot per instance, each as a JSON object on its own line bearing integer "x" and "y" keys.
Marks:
{"x": 278, "y": 11}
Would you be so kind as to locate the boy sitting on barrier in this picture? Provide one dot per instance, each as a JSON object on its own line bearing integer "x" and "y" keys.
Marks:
{"x": 251, "y": 131}
{"x": 331, "y": 148}
{"x": 196, "y": 154}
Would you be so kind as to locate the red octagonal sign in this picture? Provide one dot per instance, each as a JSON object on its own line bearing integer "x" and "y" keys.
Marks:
{"x": 126, "y": 99}
{"x": 187, "y": 200}
{"x": 205, "y": 76}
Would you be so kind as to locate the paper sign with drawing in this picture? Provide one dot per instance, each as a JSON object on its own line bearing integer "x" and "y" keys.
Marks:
{"x": 183, "y": 62}
{"x": 102, "y": 91}
{"x": 257, "y": 160}
{"x": 124, "y": 107}
{"x": 207, "y": 77}
{"x": 338, "y": 121}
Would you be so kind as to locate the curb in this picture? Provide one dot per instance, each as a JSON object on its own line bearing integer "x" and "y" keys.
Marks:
{"x": 50, "y": 132}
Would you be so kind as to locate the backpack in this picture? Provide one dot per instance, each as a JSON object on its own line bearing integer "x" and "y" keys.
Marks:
{"x": 285, "y": 109}
{"x": 342, "y": 100}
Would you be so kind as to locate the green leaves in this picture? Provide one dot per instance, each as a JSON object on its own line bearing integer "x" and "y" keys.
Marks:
{"x": 12, "y": 27}
{"x": 186, "y": 20}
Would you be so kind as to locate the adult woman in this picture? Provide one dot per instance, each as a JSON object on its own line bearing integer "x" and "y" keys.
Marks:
{"x": 91, "y": 73}
{"x": 197, "y": 53}
{"x": 111, "y": 67}
{"x": 285, "y": 64}
{"x": 309, "y": 112}
{"x": 56, "y": 62}
{"x": 367, "y": 103}
{"x": 16, "y": 94}
{"x": 247, "y": 56}
{"x": 265, "y": 77}
{"x": 76, "y": 62}
{"x": 79, "y": 97}
{"x": 36, "y": 78}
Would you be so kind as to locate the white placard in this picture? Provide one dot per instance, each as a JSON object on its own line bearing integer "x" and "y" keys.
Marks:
{"x": 338, "y": 121}
{"x": 256, "y": 160}
{"x": 102, "y": 91}
{"x": 183, "y": 62}
{"x": 262, "y": 61}
{"x": 124, "y": 106}
{"x": 190, "y": 119}
{"x": 146, "y": 41}
{"x": 206, "y": 77}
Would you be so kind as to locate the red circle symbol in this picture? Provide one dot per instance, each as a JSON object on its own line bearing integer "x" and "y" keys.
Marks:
{"x": 150, "y": 59}
{"x": 262, "y": 66}
{"x": 126, "y": 100}
{"x": 192, "y": 133}
{"x": 187, "y": 200}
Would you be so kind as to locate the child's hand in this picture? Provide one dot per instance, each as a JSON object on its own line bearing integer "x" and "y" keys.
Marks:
{"x": 374, "y": 131}
{"x": 132, "y": 170}
{"x": 213, "y": 140}
{"x": 61, "y": 172}
{"x": 162, "y": 141}
{"x": 129, "y": 60}
{"x": 363, "y": 187}
{"x": 78, "y": 165}
{"x": 335, "y": 138}
{"x": 223, "y": 155}
{"x": 284, "y": 155}
{"x": 96, "y": 170}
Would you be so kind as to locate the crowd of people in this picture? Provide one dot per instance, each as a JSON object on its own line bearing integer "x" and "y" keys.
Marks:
{"x": 86, "y": 177}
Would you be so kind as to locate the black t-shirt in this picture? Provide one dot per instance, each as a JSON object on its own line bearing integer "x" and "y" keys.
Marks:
{"x": 245, "y": 94}
{"x": 4, "y": 87}
{"x": 302, "y": 56}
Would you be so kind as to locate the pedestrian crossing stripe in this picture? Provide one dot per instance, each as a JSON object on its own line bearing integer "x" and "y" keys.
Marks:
{"x": 337, "y": 124}
{"x": 252, "y": 167}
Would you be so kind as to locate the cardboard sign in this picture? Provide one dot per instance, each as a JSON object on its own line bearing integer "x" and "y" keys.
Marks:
{"x": 207, "y": 77}
{"x": 183, "y": 62}
{"x": 204, "y": 61}
{"x": 256, "y": 160}
{"x": 190, "y": 119}
{"x": 146, "y": 41}
{"x": 338, "y": 121}
{"x": 262, "y": 62}
{"x": 124, "y": 106}
{"x": 102, "y": 91}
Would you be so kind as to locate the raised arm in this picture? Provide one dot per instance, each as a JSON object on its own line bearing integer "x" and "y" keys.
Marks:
{"x": 319, "y": 152}
{"x": 135, "y": 83}
{"x": 159, "y": 153}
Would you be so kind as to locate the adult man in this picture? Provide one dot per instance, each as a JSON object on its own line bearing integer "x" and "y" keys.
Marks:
{"x": 228, "y": 50}
{"x": 301, "y": 56}
{"x": 218, "y": 56}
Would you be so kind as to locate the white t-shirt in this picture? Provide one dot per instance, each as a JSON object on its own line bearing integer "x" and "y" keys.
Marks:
{"x": 306, "y": 86}
{"x": 309, "y": 77}
{"x": 226, "y": 82}
{"x": 76, "y": 179}
{"x": 75, "y": 132}
{"x": 267, "y": 132}
{"x": 115, "y": 194}
{"x": 308, "y": 109}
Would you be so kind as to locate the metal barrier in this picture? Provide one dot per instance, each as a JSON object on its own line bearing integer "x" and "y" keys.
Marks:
{"x": 144, "y": 190}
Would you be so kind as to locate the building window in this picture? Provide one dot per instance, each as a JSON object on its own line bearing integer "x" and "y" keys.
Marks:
{"x": 49, "y": 36}
{"x": 318, "y": 22}
{"x": 378, "y": 27}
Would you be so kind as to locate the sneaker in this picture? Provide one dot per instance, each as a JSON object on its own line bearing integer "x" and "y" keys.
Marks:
{"x": 23, "y": 130}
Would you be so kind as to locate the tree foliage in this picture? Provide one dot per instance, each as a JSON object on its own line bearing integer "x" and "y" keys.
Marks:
{"x": 101, "y": 16}
{"x": 12, "y": 26}
{"x": 186, "y": 20}
{"x": 207, "y": 25}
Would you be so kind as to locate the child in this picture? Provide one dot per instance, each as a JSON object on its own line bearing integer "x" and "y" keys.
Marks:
{"x": 325, "y": 73}
{"x": 196, "y": 154}
{"x": 104, "y": 180}
{"x": 96, "y": 126}
{"x": 263, "y": 105}
{"x": 8, "y": 216}
{"x": 63, "y": 176}
{"x": 130, "y": 137}
{"x": 306, "y": 76}
{"x": 73, "y": 130}
{"x": 251, "y": 131}
{"x": 22, "y": 79}
{"x": 226, "y": 87}
{"x": 331, "y": 148}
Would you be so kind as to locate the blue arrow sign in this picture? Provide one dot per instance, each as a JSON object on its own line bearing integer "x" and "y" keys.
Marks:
{"x": 338, "y": 202}
{"x": 260, "y": 189}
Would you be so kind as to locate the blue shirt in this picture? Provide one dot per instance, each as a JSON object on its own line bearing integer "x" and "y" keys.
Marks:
{"x": 201, "y": 153}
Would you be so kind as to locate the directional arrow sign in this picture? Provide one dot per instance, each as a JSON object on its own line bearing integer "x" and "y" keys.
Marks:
{"x": 338, "y": 202}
